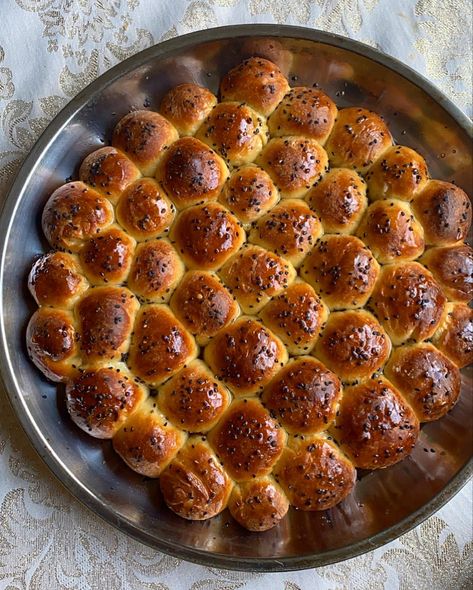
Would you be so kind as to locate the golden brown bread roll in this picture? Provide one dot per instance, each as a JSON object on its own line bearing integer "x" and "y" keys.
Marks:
{"x": 339, "y": 199}
{"x": 101, "y": 399}
{"x": 428, "y": 380}
{"x": 303, "y": 396}
{"x": 207, "y": 235}
{"x": 454, "y": 336}
{"x": 186, "y": 106}
{"x": 304, "y": 111}
{"x": 290, "y": 229}
{"x": 259, "y": 504}
{"x": 399, "y": 174}
{"x": 74, "y": 213}
{"x": 257, "y": 82}
{"x": 452, "y": 268}
{"x": 374, "y": 425}
{"x": 254, "y": 275}
{"x": 109, "y": 172}
{"x": 444, "y": 210}
{"x": 144, "y": 211}
{"x": 314, "y": 473}
{"x": 353, "y": 344}
{"x": 235, "y": 131}
{"x": 194, "y": 485}
{"x": 359, "y": 137}
{"x": 107, "y": 257}
{"x": 296, "y": 316}
{"x": 203, "y": 304}
{"x": 408, "y": 302}
{"x": 342, "y": 270}
{"x": 155, "y": 272}
{"x": 105, "y": 322}
{"x": 391, "y": 231}
{"x": 147, "y": 442}
{"x": 161, "y": 346}
{"x": 51, "y": 340}
{"x": 191, "y": 172}
{"x": 249, "y": 193}
{"x": 143, "y": 136}
{"x": 294, "y": 164}
{"x": 193, "y": 399}
{"x": 245, "y": 355}
{"x": 56, "y": 280}
{"x": 247, "y": 440}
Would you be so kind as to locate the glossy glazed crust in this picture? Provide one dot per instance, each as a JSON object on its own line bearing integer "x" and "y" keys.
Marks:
{"x": 359, "y": 137}
{"x": 391, "y": 232}
{"x": 454, "y": 336}
{"x": 203, "y": 304}
{"x": 193, "y": 399}
{"x": 452, "y": 268}
{"x": 194, "y": 485}
{"x": 161, "y": 346}
{"x": 294, "y": 164}
{"x": 56, "y": 280}
{"x": 339, "y": 199}
{"x": 314, "y": 474}
{"x": 303, "y": 396}
{"x": 186, "y": 106}
{"x": 408, "y": 302}
{"x": 245, "y": 355}
{"x": 428, "y": 380}
{"x": 51, "y": 341}
{"x": 105, "y": 317}
{"x": 100, "y": 400}
{"x": 247, "y": 440}
{"x": 207, "y": 235}
{"x": 144, "y": 211}
{"x": 296, "y": 316}
{"x": 148, "y": 442}
{"x": 342, "y": 270}
{"x": 74, "y": 213}
{"x": 399, "y": 174}
{"x": 106, "y": 258}
{"x": 235, "y": 131}
{"x": 143, "y": 136}
{"x": 191, "y": 172}
{"x": 290, "y": 229}
{"x": 254, "y": 275}
{"x": 257, "y": 82}
{"x": 258, "y": 505}
{"x": 353, "y": 345}
{"x": 304, "y": 111}
{"x": 155, "y": 272}
{"x": 444, "y": 210}
{"x": 375, "y": 426}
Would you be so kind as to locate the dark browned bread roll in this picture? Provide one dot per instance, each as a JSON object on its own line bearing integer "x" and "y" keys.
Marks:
{"x": 452, "y": 268}
{"x": 454, "y": 336}
{"x": 186, "y": 106}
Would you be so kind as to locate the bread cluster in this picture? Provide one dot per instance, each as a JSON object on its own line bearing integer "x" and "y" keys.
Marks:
{"x": 254, "y": 297}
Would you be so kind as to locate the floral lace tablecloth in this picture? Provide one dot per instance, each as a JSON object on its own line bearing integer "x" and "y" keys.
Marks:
{"x": 49, "y": 50}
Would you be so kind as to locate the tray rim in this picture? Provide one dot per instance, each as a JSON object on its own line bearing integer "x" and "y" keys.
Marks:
{"x": 61, "y": 472}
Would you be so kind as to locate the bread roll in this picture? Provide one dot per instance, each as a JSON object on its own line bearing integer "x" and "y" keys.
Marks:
{"x": 56, "y": 280}
{"x": 342, "y": 270}
{"x": 428, "y": 380}
{"x": 296, "y": 316}
{"x": 245, "y": 355}
{"x": 454, "y": 336}
{"x": 339, "y": 199}
{"x": 374, "y": 425}
{"x": 452, "y": 268}
{"x": 74, "y": 213}
{"x": 143, "y": 136}
{"x": 186, "y": 106}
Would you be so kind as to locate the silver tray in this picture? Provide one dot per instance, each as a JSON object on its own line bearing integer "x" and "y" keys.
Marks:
{"x": 385, "y": 503}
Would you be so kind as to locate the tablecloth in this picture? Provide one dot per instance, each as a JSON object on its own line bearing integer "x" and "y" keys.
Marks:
{"x": 49, "y": 50}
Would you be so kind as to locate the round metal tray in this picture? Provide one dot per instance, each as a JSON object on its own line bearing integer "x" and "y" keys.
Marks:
{"x": 385, "y": 503}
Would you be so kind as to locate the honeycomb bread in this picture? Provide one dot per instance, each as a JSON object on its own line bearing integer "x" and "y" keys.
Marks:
{"x": 253, "y": 294}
